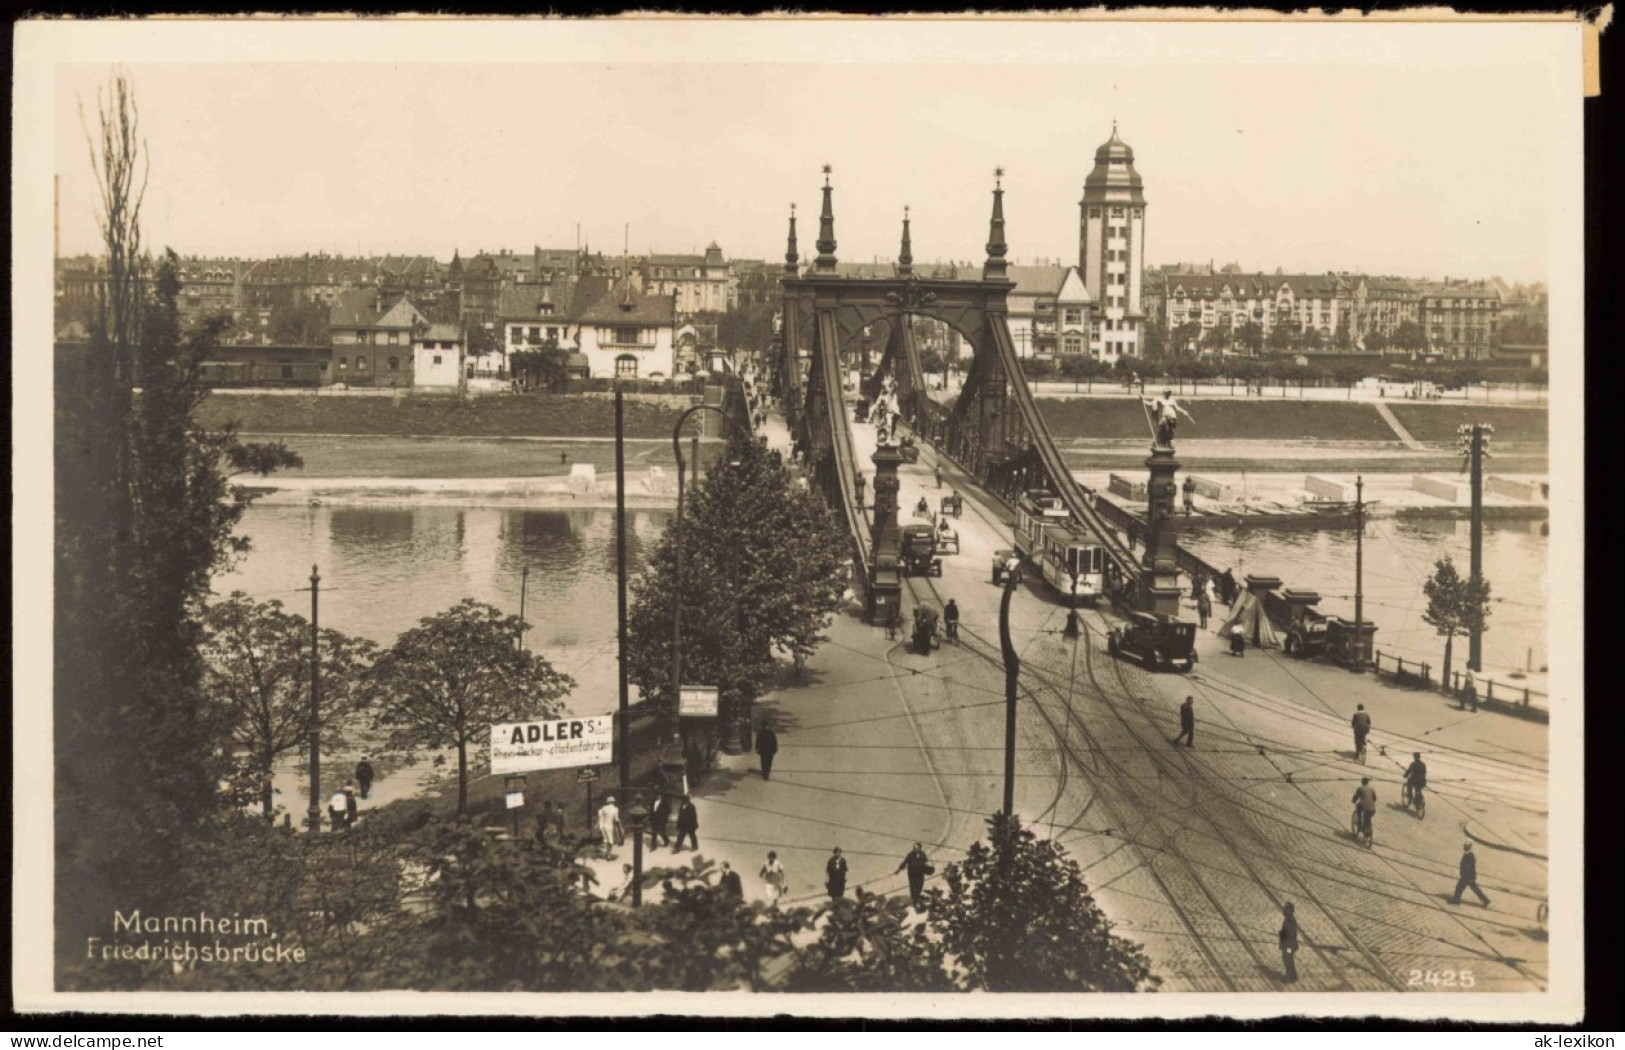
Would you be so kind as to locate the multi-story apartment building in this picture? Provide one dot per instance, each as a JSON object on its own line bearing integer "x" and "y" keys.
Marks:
{"x": 1379, "y": 305}
{"x": 1230, "y": 301}
{"x": 698, "y": 282}
{"x": 1460, "y": 319}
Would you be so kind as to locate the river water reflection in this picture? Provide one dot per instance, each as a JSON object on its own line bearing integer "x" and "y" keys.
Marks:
{"x": 385, "y": 568}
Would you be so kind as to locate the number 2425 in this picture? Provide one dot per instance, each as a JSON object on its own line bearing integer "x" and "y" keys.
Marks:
{"x": 1440, "y": 979}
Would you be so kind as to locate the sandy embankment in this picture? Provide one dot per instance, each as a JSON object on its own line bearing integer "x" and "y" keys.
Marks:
{"x": 644, "y": 491}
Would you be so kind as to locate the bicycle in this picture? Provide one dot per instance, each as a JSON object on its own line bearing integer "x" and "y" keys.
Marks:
{"x": 1360, "y": 827}
{"x": 1415, "y": 800}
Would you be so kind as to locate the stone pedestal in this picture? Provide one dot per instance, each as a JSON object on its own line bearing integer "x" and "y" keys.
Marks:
{"x": 1159, "y": 568}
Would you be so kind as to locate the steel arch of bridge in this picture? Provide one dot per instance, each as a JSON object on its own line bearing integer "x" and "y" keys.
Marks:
{"x": 992, "y": 429}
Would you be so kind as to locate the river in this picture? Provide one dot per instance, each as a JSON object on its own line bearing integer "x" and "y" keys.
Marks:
{"x": 385, "y": 568}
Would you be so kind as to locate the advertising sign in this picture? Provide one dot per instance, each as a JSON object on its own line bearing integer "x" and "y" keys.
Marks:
{"x": 516, "y": 799}
{"x": 519, "y": 747}
{"x": 697, "y": 701}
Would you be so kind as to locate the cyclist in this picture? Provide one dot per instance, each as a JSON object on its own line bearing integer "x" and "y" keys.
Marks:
{"x": 1365, "y": 806}
{"x": 1416, "y": 778}
{"x": 950, "y": 620}
{"x": 1362, "y": 727}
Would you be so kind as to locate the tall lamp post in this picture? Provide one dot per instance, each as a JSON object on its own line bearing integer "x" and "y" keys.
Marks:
{"x": 314, "y": 814}
{"x": 1012, "y": 672}
{"x": 1359, "y": 576}
{"x": 676, "y": 600}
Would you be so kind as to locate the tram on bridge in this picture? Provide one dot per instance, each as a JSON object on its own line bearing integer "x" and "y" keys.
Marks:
{"x": 1065, "y": 554}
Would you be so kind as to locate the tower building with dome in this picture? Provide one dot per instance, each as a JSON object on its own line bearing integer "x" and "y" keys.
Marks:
{"x": 1111, "y": 247}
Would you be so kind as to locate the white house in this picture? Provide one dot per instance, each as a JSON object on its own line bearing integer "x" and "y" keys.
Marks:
{"x": 437, "y": 358}
{"x": 628, "y": 334}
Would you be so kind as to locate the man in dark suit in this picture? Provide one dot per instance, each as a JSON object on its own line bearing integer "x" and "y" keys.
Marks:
{"x": 835, "y": 875}
{"x": 767, "y": 745}
{"x": 919, "y": 866}
{"x": 658, "y": 817}
{"x": 688, "y": 825}
{"x": 730, "y": 882}
{"x": 1289, "y": 942}
{"x": 1469, "y": 877}
{"x": 1187, "y": 723}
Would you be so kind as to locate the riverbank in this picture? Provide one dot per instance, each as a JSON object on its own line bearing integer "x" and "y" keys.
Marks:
{"x": 410, "y": 414}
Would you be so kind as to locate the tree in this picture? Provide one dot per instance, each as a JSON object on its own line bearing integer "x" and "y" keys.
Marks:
{"x": 542, "y": 366}
{"x": 1409, "y": 335}
{"x": 1017, "y": 916}
{"x": 483, "y": 340}
{"x": 447, "y": 680}
{"x": 764, "y": 568}
{"x": 1285, "y": 334}
{"x": 1456, "y": 605}
{"x": 145, "y": 515}
{"x": 866, "y": 945}
{"x": 1251, "y": 336}
{"x": 259, "y": 675}
{"x": 1185, "y": 337}
{"x": 1155, "y": 342}
{"x": 300, "y": 324}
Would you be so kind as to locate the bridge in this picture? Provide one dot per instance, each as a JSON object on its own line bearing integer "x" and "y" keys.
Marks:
{"x": 992, "y": 429}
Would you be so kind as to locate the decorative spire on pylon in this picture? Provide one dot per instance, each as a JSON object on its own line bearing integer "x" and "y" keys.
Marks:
{"x": 993, "y": 269}
{"x": 905, "y": 256}
{"x": 791, "y": 259}
{"x": 825, "y": 263}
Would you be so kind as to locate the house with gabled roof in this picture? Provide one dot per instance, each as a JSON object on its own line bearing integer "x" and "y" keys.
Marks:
{"x": 627, "y": 334}
{"x": 372, "y": 337}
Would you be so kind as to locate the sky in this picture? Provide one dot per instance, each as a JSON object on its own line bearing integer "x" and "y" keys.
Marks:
{"x": 1420, "y": 161}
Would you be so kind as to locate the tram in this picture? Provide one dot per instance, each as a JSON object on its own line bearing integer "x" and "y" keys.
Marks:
{"x": 1065, "y": 553}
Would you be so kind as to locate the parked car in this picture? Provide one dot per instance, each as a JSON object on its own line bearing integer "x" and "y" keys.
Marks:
{"x": 1159, "y": 642}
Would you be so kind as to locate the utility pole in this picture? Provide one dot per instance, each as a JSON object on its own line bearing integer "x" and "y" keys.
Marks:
{"x": 1359, "y": 575}
{"x": 1475, "y": 635}
{"x": 314, "y": 814}
{"x": 1012, "y": 671}
{"x": 620, "y": 601}
{"x": 524, "y": 579}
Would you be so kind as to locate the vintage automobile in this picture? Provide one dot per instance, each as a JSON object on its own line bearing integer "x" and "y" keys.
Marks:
{"x": 917, "y": 550}
{"x": 1330, "y": 637}
{"x": 1002, "y": 562}
{"x": 1306, "y": 639}
{"x": 925, "y": 631}
{"x": 1159, "y": 642}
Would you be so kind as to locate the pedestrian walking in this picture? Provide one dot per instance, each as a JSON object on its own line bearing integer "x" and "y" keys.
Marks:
{"x": 364, "y": 775}
{"x": 835, "y": 875}
{"x": 1361, "y": 723}
{"x": 688, "y": 825}
{"x": 1190, "y": 493}
{"x": 767, "y": 745}
{"x": 939, "y": 477}
{"x": 773, "y": 879}
{"x": 658, "y": 816}
{"x": 1469, "y": 877}
{"x": 1469, "y": 692}
{"x": 1204, "y": 608}
{"x": 1209, "y": 591}
{"x": 1187, "y": 722}
{"x": 350, "y": 804}
{"x": 729, "y": 881}
{"x": 861, "y": 484}
{"x": 338, "y": 808}
{"x": 918, "y": 866}
{"x": 609, "y": 826}
{"x": 950, "y": 620}
{"x": 1289, "y": 942}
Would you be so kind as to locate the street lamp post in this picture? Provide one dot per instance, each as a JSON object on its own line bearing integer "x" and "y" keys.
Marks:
{"x": 637, "y": 819}
{"x": 1359, "y": 574}
{"x": 314, "y": 814}
{"x": 1012, "y": 671}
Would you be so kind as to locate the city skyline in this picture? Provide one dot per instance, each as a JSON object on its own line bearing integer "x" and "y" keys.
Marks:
{"x": 421, "y": 159}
